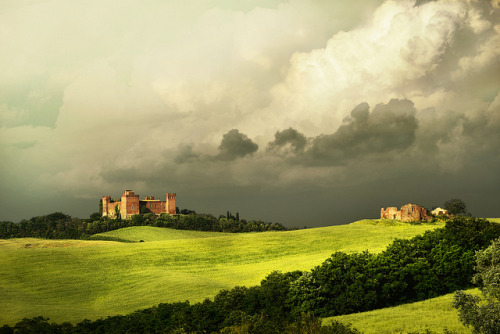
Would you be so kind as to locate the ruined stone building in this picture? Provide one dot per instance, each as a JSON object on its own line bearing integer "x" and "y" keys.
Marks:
{"x": 131, "y": 205}
{"x": 408, "y": 213}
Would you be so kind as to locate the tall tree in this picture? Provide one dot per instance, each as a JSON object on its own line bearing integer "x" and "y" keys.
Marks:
{"x": 483, "y": 313}
{"x": 456, "y": 206}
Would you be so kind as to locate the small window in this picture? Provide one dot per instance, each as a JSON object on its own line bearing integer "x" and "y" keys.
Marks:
{"x": 132, "y": 207}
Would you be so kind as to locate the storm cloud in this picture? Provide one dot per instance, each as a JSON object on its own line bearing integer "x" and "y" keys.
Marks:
{"x": 389, "y": 127}
{"x": 235, "y": 145}
{"x": 289, "y": 140}
{"x": 336, "y": 108}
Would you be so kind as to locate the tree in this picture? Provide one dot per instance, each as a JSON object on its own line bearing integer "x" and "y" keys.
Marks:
{"x": 456, "y": 207}
{"x": 144, "y": 209}
{"x": 117, "y": 212}
{"x": 483, "y": 313}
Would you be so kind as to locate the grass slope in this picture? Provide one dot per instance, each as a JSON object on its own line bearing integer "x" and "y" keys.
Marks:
{"x": 69, "y": 280}
{"x": 149, "y": 233}
{"x": 435, "y": 314}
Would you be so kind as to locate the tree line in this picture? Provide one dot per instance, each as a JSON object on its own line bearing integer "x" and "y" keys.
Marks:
{"x": 61, "y": 226}
{"x": 426, "y": 266}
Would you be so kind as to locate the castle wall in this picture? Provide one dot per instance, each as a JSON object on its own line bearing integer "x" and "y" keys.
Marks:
{"x": 413, "y": 212}
{"x": 108, "y": 206}
{"x": 390, "y": 213}
{"x": 155, "y": 206}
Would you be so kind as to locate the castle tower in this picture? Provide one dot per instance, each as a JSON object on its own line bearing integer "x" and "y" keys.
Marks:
{"x": 170, "y": 203}
{"x": 129, "y": 204}
{"x": 105, "y": 205}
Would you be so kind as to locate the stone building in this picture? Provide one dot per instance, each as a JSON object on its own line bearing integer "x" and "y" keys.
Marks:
{"x": 408, "y": 213}
{"x": 440, "y": 212}
{"x": 130, "y": 204}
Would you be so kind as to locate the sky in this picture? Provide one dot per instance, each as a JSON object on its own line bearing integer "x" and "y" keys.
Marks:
{"x": 301, "y": 112}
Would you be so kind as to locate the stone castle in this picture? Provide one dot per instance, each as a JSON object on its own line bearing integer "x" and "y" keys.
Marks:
{"x": 130, "y": 205}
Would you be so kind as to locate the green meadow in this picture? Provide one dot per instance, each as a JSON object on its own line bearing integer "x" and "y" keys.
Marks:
{"x": 436, "y": 314}
{"x": 70, "y": 280}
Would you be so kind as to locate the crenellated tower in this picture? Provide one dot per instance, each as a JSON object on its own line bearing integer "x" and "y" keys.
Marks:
{"x": 170, "y": 204}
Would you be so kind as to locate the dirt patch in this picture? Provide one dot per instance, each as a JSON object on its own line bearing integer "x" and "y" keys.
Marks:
{"x": 47, "y": 245}
{"x": 58, "y": 244}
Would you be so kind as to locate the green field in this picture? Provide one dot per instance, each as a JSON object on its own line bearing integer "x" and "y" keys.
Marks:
{"x": 69, "y": 280}
{"x": 435, "y": 314}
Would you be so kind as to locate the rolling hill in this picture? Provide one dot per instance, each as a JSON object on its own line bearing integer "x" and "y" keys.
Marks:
{"x": 70, "y": 280}
{"x": 436, "y": 314}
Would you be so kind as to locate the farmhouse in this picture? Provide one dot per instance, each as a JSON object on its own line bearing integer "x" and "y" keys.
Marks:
{"x": 131, "y": 205}
{"x": 408, "y": 213}
{"x": 440, "y": 212}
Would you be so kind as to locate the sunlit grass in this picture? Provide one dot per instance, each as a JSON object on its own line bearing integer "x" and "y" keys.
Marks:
{"x": 69, "y": 280}
{"x": 435, "y": 314}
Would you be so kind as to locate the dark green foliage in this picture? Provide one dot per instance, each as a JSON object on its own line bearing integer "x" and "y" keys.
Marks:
{"x": 185, "y": 211}
{"x": 456, "y": 207}
{"x": 306, "y": 323}
{"x": 342, "y": 284}
{"x": 483, "y": 314}
{"x": 60, "y": 226}
{"x": 38, "y": 325}
{"x": 53, "y": 226}
{"x": 183, "y": 318}
{"x": 436, "y": 263}
{"x": 143, "y": 209}
{"x": 117, "y": 212}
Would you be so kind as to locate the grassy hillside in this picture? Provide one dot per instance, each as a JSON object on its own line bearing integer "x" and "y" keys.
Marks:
{"x": 435, "y": 314}
{"x": 149, "y": 233}
{"x": 69, "y": 280}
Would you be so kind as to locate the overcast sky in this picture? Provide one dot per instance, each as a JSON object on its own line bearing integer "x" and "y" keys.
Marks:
{"x": 303, "y": 112}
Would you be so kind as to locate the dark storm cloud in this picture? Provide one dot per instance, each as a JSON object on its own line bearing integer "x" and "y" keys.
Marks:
{"x": 289, "y": 139}
{"x": 156, "y": 95}
{"x": 186, "y": 154}
{"x": 235, "y": 145}
{"x": 389, "y": 127}
{"x": 422, "y": 2}
{"x": 437, "y": 128}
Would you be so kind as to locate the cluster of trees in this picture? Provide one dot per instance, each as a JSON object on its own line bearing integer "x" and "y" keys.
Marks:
{"x": 52, "y": 226}
{"x": 204, "y": 222}
{"x": 438, "y": 262}
{"x": 61, "y": 226}
{"x": 482, "y": 313}
{"x": 456, "y": 206}
{"x": 204, "y": 317}
{"x": 426, "y": 266}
